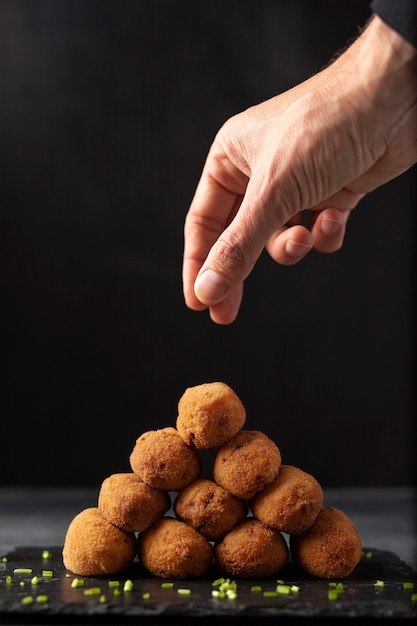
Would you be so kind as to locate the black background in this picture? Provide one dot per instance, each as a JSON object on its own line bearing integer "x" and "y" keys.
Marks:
{"x": 107, "y": 111}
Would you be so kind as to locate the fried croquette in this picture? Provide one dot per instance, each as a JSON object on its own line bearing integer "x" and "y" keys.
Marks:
{"x": 93, "y": 546}
{"x": 130, "y": 504}
{"x": 251, "y": 549}
{"x": 209, "y": 508}
{"x": 247, "y": 463}
{"x": 291, "y": 503}
{"x": 209, "y": 415}
{"x": 164, "y": 461}
{"x": 172, "y": 549}
{"x": 330, "y": 548}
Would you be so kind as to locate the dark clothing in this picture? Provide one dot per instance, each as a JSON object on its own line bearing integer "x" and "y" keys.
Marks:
{"x": 401, "y": 15}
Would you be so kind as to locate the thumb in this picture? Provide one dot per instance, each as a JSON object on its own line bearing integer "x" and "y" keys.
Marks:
{"x": 234, "y": 254}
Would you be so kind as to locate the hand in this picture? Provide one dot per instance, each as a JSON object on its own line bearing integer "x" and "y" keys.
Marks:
{"x": 317, "y": 148}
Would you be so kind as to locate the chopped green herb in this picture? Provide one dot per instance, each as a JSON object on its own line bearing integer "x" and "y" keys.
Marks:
{"x": 22, "y": 583}
{"x": 8, "y": 580}
{"x": 35, "y": 580}
{"x": 414, "y": 597}
{"x": 256, "y": 588}
{"x": 231, "y": 594}
{"x": 47, "y": 573}
{"x": 27, "y": 600}
{"x": 408, "y": 585}
{"x": 332, "y": 584}
{"x": 46, "y": 554}
{"x": 128, "y": 586}
{"x": 103, "y": 599}
{"x": 280, "y": 582}
{"x": 93, "y": 591}
{"x": 379, "y": 583}
{"x": 332, "y": 594}
{"x": 184, "y": 592}
{"x": 4, "y": 559}
{"x": 114, "y": 583}
{"x": 77, "y": 582}
{"x": 295, "y": 588}
{"x": 42, "y": 599}
{"x": 167, "y": 585}
{"x": 22, "y": 570}
{"x": 368, "y": 555}
{"x": 117, "y": 592}
{"x": 146, "y": 595}
{"x": 283, "y": 589}
{"x": 270, "y": 594}
{"x": 218, "y": 582}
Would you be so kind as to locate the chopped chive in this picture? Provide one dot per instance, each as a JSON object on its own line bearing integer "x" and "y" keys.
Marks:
{"x": 114, "y": 583}
{"x": 269, "y": 594}
{"x": 379, "y": 583}
{"x": 256, "y": 588}
{"x": 283, "y": 589}
{"x": 218, "y": 582}
{"x": 295, "y": 588}
{"x": 27, "y": 600}
{"x": 4, "y": 559}
{"x": 47, "y": 573}
{"x": 215, "y": 593}
{"x": 103, "y": 599}
{"x": 368, "y": 555}
{"x": 42, "y": 599}
{"x": 117, "y": 592}
{"x": 167, "y": 585}
{"x": 146, "y": 595}
{"x": 46, "y": 554}
{"x": 332, "y": 584}
{"x": 340, "y": 588}
{"x": 231, "y": 594}
{"x": 22, "y": 583}
{"x": 93, "y": 591}
{"x": 414, "y": 597}
{"x": 128, "y": 586}
{"x": 77, "y": 582}
{"x": 332, "y": 594}
{"x": 8, "y": 580}
{"x": 184, "y": 592}
{"x": 35, "y": 580}
{"x": 22, "y": 570}
{"x": 408, "y": 585}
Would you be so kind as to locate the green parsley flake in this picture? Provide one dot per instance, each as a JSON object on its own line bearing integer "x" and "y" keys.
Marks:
{"x": 22, "y": 570}
{"x": 93, "y": 591}
{"x": 42, "y": 599}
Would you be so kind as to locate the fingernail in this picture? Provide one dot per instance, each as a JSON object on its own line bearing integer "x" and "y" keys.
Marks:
{"x": 210, "y": 287}
{"x": 329, "y": 226}
{"x": 296, "y": 250}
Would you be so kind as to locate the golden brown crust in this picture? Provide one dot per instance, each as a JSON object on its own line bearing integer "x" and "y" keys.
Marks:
{"x": 247, "y": 463}
{"x": 172, "y": 549}
{"x": 291, "y": 503}
{"x": 94, "y": 547}
{"x": 251, "y": 549}
{"x": 209, "y": 415}
{"x": 330, "y": 548}
{"x": 129, "y": 503}
{"x": 209, "y": 509}
{"x": 164, "y": 461}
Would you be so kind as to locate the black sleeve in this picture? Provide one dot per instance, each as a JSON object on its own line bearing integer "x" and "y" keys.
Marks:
{"x": 401, "y": 15}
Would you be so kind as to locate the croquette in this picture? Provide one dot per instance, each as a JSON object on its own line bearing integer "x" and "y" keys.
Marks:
{"x": 94, "y": 547}
{"x": 330, "y": 548}
{"x": 247, "y": 463}
{"x": 164, "y": 461}
{"x": 209, "y": 415}
{"x": 291, "y": 503}
{"x": 172, "y": 549}
{"x": 129, "y": 503}
{"x": 251, "y": 549}
{"x": 209, "y": 508}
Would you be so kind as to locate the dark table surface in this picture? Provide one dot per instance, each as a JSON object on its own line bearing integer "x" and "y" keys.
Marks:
{"x": 385, "y": 518}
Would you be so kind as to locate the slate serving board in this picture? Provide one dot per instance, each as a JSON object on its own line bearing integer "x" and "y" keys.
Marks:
{"x": 360, "y": 599}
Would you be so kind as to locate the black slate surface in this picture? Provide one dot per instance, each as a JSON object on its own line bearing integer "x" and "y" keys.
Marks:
{"x": 361, "y": 601}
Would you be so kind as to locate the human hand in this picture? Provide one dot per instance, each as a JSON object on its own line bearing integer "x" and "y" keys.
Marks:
{"x": 319, "y": 147}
